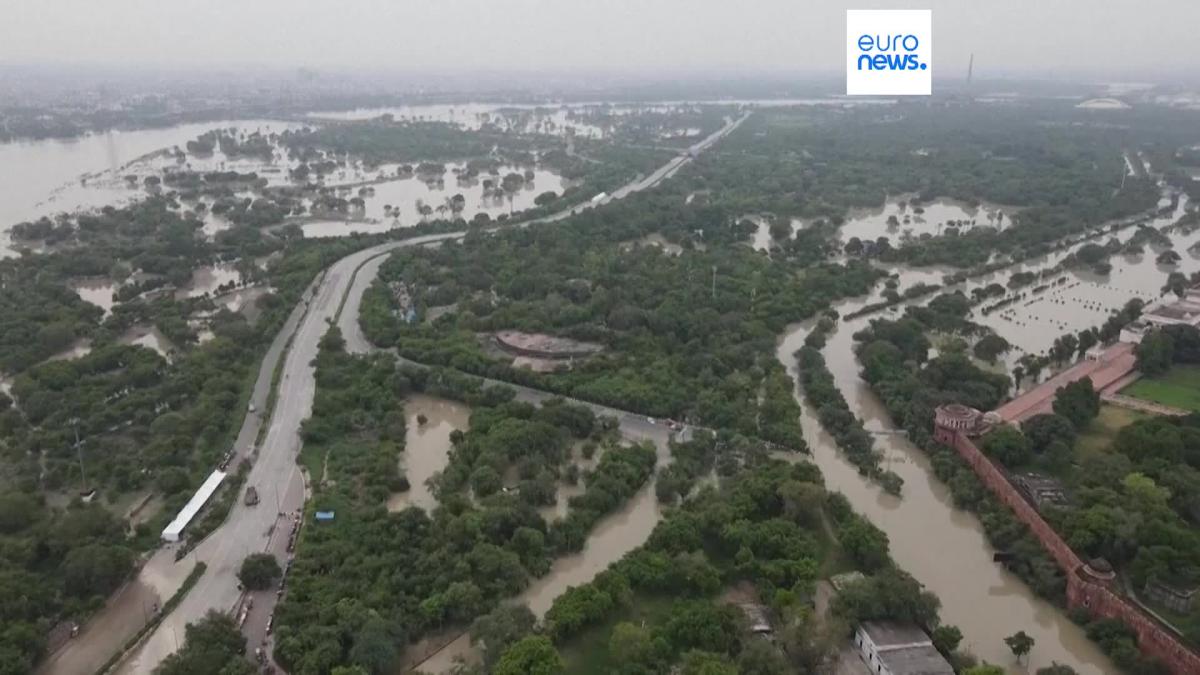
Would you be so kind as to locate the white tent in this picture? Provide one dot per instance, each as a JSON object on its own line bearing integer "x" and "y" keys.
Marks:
{"x": 189, "y": 510}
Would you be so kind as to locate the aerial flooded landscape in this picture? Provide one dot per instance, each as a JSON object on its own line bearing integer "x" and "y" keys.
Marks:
{"x": 667, "y": 356}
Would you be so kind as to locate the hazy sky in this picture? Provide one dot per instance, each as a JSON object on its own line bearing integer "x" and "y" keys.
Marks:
{"x": 1047, "y": 37}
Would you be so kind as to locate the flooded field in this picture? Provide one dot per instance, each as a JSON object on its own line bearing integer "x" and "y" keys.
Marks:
{"x": 51, "y": 177}
{"x": 562, "y": 501}
{"x": 761, "y": 239}
{"x": 221, "y": 281}
{"x": 400, "y": 202}
{"x": 150, "y": 338}
{"x": 481, "y": 194}
{"x": 211, "y": 280}
{"x": 900, "y": 221}
{"x": 474, "y": 115}
{"x": 1086, "y": 299}
{"x": 427, "y": 446}
{"x": 525, "y": 118}
{"x": 1083, "y": 300}
{"x": 243, "y": 300}
{"x": 55, "y": 176}
{"x": 99, "y": 292}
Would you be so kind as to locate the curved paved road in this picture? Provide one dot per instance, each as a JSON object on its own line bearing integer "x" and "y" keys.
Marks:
{"x": 275, "y": 472}
{"x": 252, "y": 529}
{"x": 634, "y": 425}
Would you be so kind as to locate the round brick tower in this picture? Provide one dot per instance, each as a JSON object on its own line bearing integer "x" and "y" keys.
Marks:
{"x": 952, "y": 419}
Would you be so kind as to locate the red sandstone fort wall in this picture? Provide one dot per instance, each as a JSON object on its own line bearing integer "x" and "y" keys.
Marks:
{"x": 1154, "y": 639}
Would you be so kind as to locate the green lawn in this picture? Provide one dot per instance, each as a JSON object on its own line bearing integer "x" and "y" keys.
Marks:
{"x": 1106, "y": 425}
{"x": 312, "y": 458}
{"x": 1179, "y": 387}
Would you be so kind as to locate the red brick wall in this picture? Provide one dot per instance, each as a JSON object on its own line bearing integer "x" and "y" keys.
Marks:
{"x": 1154, "y": 639}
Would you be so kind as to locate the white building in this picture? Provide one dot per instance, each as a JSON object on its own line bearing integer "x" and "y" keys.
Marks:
{"x": 1182, "y": 311}
{"x": 895, "y": 648}
{"x": 173, "y": 530}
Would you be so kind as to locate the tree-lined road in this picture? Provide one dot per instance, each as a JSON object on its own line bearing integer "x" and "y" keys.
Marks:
{"x": 275, "y": 473}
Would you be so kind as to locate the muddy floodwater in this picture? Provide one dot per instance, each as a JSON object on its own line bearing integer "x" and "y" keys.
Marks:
{"x": 427, "y": 446}
{"x": 395, "y": 203}
{"x": 54, "y": 176}
{"x": 942, "y": 546}
{"x": 761, "y": 239}
{"x": 1087, "y": 298}
{"x": 208, "y": 280}
{"x": 150, "y": 338}
{"x": 614, "y": 536}
{"x": 546, "y": 118}
{"x": 99, "y": 292}
{"x": 49, "y": 177}
{"x": 899, "y": 221}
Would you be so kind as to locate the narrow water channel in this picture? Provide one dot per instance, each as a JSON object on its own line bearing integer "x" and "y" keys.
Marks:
{"x": 942, "y": 546}
{"x": 614, "y": 536}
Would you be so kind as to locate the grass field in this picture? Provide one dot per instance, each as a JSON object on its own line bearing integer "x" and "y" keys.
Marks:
{"x": 1179, "y": 387}
{"x": 312, "y": 458}
{"x": 1106, "y": 425}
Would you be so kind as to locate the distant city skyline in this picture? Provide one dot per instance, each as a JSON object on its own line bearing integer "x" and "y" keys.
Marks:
{"x": 1051, "y": 39}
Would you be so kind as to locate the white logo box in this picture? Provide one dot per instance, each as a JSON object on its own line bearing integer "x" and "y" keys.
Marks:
{"x": 889, "y": 34}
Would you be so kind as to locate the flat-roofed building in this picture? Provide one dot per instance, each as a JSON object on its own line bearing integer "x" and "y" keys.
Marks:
{"x": 899, "y": 648}
{"x": 1040, "y": 490}
{"x": 1183, "y": 311}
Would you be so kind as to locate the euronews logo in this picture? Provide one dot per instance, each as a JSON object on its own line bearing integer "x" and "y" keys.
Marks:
{"x": 889, "y": 52}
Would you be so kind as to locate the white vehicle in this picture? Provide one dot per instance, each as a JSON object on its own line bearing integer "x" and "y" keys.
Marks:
{"x": 251, "y": 407}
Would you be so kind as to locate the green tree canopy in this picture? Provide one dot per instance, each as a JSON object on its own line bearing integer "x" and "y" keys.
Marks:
{"x": 531, "y": 655}
{"x": 1008, "y": 446}
{"x": 1078, "y": 401}
{"x": 212, "y": 645}
{"x": 259, "y": 571}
